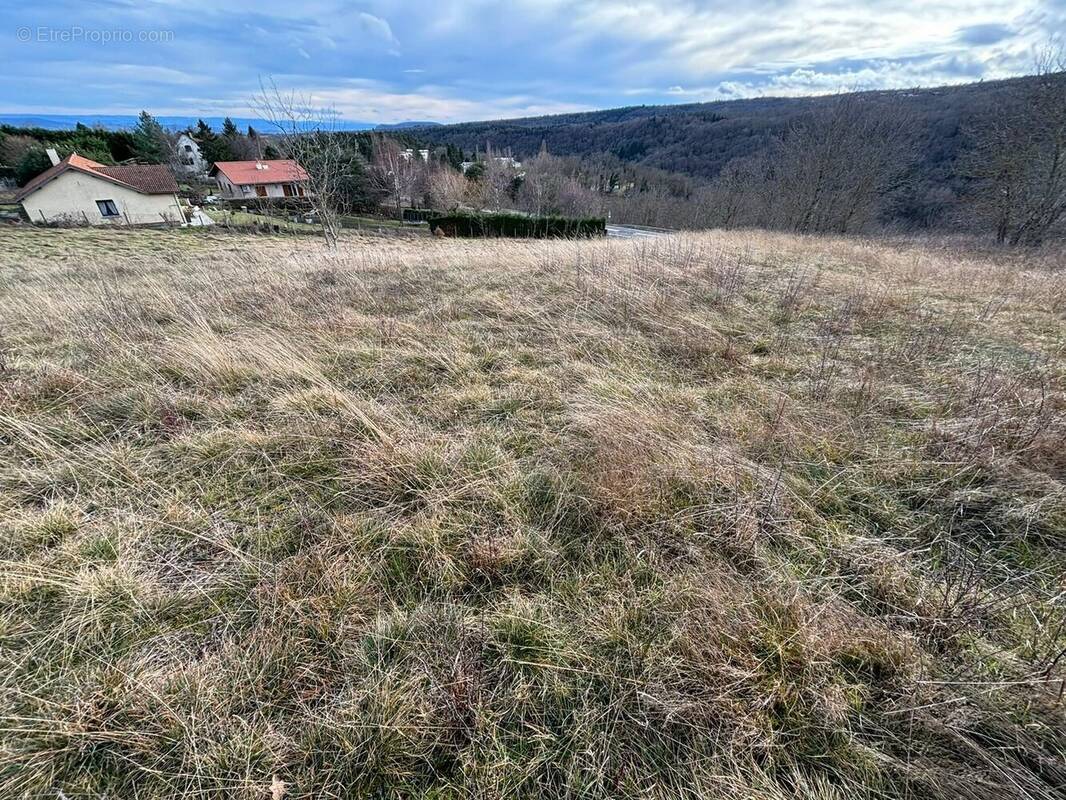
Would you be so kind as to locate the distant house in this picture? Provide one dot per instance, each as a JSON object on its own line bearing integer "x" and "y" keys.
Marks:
{"x": 190, "y": 160}
{"x": 505, "y": 161}
{"x": 252, "y": 179}
{"x": 79, "y": 191}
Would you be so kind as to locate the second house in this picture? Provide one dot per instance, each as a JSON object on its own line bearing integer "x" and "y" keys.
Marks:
{"x": 247, "y": 180}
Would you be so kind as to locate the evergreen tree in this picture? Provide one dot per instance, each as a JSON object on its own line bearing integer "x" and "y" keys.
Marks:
{"x": 356, "y": 191}
{"x": 454, "y": 156}
{"x": 213, "y": 147}
{"x": 476, "y": 171}
{"x": 32, "y": 164}
{"x": 87, "y": 142}
{"x": 254, "y": 143}
{"x": 229, "y": 130}
{"x": 150, "y": 141}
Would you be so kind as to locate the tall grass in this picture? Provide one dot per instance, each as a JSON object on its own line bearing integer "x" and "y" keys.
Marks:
{"x": 738, "y": 515}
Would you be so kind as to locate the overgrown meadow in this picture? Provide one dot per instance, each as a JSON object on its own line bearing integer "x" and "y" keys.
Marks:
{"x": 722, "y": 515}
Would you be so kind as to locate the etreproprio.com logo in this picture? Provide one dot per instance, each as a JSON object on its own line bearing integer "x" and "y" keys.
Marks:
{"x": 76, "y": 34}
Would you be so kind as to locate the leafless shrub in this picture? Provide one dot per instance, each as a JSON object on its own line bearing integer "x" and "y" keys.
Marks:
{"x": 1007, "y": 411}
{"x": 1015, "y": 160}
{"x": 822, "y": 377}
{"x": 726, "y": 278}
{"x": 833, "y": 173}
{"x": 930, "y": 335}
{"x": 795, "y": 292}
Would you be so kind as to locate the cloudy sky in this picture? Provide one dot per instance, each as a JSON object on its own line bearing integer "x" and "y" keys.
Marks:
{"x": 451, "y": 60}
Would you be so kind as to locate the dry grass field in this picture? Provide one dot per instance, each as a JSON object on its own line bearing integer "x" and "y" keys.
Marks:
{"x": 724, "y": 515}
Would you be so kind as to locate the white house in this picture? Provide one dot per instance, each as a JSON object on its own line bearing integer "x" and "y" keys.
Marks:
{"x": 190, "y": 159}
{"x": 79, "y": 191}
{"x": 251, "y": 179}
{"x": 505, "y": 161}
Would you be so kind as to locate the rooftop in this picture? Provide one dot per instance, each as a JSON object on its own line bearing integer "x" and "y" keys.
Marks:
{"x": 144, "y": 178}
{"x": 242, "y": 173}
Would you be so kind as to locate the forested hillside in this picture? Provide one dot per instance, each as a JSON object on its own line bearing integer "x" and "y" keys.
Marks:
{"x": 699, "y": 139}
{"x": 925, "y": 131}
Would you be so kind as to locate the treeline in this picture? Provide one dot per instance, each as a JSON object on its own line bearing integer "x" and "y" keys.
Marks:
{"x": 22, "y": 150}
{"x": 855, "y": 163}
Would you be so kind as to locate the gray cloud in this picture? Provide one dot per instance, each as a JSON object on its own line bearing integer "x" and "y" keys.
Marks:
{"x": 463, "y": 59}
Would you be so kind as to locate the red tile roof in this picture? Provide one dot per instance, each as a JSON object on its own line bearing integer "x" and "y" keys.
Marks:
{"x": 244, "y": 173}
{"x": 147, "y": 178}
{"x": 143, "y": 178}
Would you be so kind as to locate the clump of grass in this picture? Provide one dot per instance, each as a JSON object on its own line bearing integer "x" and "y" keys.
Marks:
{"x": 739, "y": 514}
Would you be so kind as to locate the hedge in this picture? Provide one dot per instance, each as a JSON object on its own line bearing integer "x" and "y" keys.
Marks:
{"x": 418, "y": 214}
{"x": 517, "y": 225}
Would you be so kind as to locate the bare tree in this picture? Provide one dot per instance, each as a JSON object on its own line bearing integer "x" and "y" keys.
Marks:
{"x": 738, "y": 195}
{"x": 578, "y": 200}
{"x": 447, "y": 189}
{"x": 496, "y": 181}
{"x": 394, "y": 171}
{"x": 542, "y": 187}
{"x": 308, "y": 135}
{"x": 1017, "y": 160}
{"x": 247, "y": 147}
{"x": 836, "y": 173}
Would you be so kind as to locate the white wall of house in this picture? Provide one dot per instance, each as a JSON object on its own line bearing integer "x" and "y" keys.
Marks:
{"x": 225, "y": 188}
{"x": 248, "y": 191}
{"x": 71, "y": 198}
{"x": 190, "y": 161}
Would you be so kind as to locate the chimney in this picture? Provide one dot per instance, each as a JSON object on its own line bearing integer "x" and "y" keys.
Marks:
{"x": 53, "y": 156}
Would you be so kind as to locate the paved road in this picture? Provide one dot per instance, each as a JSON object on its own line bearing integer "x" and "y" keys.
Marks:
{"x": 631, "y": 232}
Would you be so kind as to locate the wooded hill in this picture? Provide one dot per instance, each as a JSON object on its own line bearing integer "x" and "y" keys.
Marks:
{"x": 700, "y": 139}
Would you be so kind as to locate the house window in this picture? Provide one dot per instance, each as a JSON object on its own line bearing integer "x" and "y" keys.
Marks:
{"x": 107, "y": 208}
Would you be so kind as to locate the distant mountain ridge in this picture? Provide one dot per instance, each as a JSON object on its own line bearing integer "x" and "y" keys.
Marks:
{"x": 63, "y": 122}
{"x": 699, "y": 139}
{"x": 396, "y": 126}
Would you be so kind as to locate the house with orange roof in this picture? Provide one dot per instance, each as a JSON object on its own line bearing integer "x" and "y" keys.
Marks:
{"x": 247, "y": 180}
{"x": 79, "y": 191}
